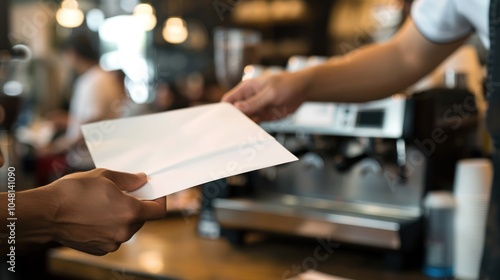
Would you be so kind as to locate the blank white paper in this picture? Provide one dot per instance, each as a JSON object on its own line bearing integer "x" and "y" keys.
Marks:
{"x": 183, "y": 148}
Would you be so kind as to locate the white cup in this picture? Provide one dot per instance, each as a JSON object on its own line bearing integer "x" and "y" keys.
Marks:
{"x": 473, "y": 177}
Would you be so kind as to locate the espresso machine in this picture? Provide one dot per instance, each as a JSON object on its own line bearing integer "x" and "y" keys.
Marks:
{"x": 362, "y": 172}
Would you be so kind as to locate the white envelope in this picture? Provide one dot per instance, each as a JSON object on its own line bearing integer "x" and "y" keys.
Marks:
{"x": 183, "y": 148}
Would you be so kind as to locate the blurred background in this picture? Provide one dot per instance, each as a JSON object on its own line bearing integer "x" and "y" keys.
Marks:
{"x": 66, "y": 63}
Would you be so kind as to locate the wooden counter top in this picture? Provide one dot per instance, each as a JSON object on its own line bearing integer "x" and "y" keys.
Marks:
{"x": 170, "y": 249}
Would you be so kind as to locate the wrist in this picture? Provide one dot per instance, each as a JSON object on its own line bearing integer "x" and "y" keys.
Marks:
{"x": 36, "y": 212}
{"x": 305, "y": 82}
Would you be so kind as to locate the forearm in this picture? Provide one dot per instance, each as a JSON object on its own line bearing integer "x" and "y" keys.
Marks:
{"x": 371, "y": 73}
{"x": 378, "y": 70}
{"x": 28, "y": 218}
{"x": 368, "y": 74}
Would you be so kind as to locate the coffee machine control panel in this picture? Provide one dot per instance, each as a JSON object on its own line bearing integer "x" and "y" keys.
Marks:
{"x": 382, "y": 118}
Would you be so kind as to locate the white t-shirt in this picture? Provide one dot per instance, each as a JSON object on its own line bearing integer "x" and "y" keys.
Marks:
{"x": 97, "y": 96}
{"x": 444, "y": 21}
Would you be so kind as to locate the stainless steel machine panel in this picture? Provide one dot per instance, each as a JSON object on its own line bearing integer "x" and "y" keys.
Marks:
{"x": 383, "y": 119}
{"x": 304, "y": 221}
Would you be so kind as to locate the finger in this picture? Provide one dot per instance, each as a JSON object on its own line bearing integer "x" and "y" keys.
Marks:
{"x": 126, "y": 181}
{"x": 262, "y": 117}
{"x": 135, "y": 228}
{"x": 254, "y": 105}
{"x": 233, "y": 95}
{"x": 162, "y": 201}
{"x": 152, "y": 210}
{"x": 115, "y": 248}
{"x": 256, "y": 119}
{"x": 99, "y": 253}
{"x": 111, "y": 247}
{"x": 268, "y": 115}
{"x": 240, "y": 92}
{"x": 93, "y": 250}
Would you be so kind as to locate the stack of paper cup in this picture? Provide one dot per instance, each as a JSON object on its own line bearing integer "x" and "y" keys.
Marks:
{"x": 472, "y": 187}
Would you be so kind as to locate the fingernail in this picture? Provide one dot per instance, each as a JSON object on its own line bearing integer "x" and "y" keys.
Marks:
{"x": 142, "y": 174}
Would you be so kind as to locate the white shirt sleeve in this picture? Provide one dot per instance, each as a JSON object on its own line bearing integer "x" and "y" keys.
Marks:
{"x": 440, "y": 21}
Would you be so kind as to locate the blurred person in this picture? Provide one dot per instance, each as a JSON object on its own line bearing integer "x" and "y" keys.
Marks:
{"x": 59, "y": 121}
{"x": 97, "y": 95}
{"x": 434, "y": 31}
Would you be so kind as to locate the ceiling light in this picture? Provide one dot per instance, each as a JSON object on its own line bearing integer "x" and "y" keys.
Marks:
{"x": 69, "y": 14}
{"x": 147, "y": 15}
{"x": 175, "y": 30}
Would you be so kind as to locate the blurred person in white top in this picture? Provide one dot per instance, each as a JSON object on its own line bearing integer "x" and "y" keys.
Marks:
{"x": 97, "y": 95}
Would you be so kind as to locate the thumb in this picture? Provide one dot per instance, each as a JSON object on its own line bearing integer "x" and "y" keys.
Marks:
{"x": 126, "y": 181}
{"x": 154, "y": 209}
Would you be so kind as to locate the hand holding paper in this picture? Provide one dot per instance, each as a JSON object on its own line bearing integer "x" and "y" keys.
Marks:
{"x": 183, "y": 148}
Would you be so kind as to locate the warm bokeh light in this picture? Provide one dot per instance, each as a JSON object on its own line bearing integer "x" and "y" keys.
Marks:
{"x": 143, "y": 9}
{"x": 147, "y": 15}
{"x": 252, "y": 71}
{"x": 69, "y": 14}
{"x": 151, "y": 261}
{"x": 175, "y": 30}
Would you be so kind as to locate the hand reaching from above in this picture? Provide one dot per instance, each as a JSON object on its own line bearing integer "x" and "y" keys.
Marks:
{"x": 269, "y": 97}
